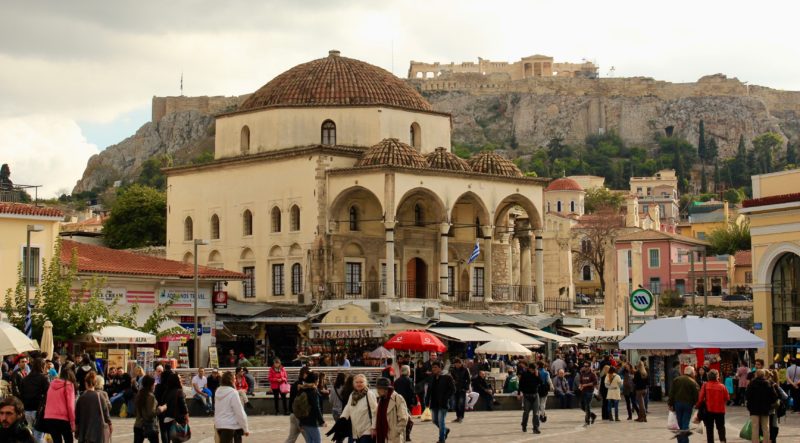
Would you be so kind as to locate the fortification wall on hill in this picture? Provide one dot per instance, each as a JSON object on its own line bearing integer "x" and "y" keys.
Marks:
{"x": 204, "y": 104}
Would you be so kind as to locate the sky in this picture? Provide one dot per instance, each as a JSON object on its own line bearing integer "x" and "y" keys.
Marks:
{"x": 78, "y": 76}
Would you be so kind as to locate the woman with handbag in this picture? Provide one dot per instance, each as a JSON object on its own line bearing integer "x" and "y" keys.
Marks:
{"x": 92, "y": 415}
{"x": 279, "y": 384}
{"x": 146, "y": 412}
{"x": 613, "y": 385}
{"x": 711, "y": 405}
{"x": 360, "y": 409}
{"x": 230, "y": 421}
{"x": 176, "y": 414}
{"x": 59, "y": 412}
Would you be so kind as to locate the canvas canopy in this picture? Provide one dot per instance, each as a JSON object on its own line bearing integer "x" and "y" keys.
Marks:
{"x": 502, "y": 347}
{"x": 13, "y": 341}
{"x": 691, "y": 332}
{"x": 120, "y": 335}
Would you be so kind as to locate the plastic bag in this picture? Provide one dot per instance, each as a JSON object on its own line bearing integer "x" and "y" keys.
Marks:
{"x": 426, "y": 415}
{"x": 672, "y": 421}
{"x": 747, "y": 431}
{"x": 123, "y": 411}
{"x": 416, "y": 410}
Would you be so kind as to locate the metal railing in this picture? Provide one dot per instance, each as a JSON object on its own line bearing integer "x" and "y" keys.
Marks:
{"x": 465, "y": 300}
{"x": 377, "y": 289}
{"x": 555, "y": 305}
{"x": 513, "y": 293}
{"x": 261, "y": 374}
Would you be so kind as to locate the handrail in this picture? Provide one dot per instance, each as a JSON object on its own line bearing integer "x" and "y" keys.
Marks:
{"x": 261, "y": 374}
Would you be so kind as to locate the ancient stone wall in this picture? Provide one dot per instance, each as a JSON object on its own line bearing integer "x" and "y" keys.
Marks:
{"x": 163, "y": 106}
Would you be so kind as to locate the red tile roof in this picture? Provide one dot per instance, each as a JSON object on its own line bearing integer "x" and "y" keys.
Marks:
{"x": 651, "y": 234}
{"x": 490, "y": 162}
{"x": 743, "y": 258}
{"x": 563, "y": 184}
{"x": 336, "y": 81}
{"x": 29, "y": 210}
{"x": 771, "y": 200}
{"x": 100, "y": 260}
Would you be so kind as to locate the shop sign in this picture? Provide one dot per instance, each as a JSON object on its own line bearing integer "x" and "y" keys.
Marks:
{"x": 641, "y": 299}
{"x": 190, "y": 327}
{"x": 221, "y": 300}
{"x": 758, "y": 326}
{"x": 184, "y": 298}
{"x": 344, "y": 333}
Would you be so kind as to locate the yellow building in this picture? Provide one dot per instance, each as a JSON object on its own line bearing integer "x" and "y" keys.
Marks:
{"x": 774, "y": 215}
{"x": 15, "y": 221}
{"x": 334, "y": 169}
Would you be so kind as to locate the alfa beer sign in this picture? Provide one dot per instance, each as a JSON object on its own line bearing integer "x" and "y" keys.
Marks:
{"x": 641, "y": 299}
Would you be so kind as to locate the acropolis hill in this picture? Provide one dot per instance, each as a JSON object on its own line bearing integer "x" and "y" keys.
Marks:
{"x": 516, "y": 107}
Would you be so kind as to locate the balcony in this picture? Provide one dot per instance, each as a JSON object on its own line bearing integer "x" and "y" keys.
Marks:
{"x": 377, "y": 289}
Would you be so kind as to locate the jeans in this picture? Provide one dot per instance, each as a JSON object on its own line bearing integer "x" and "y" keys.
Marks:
{"x": 586, "y": 404}
{"x": 61, "y": 432}
{"x": 630, "y": 403}
{"x": 613, "y": 405}
{"x": 530, "y": 403}
{"x": 275, "y": 393}
{"x": 795, "y": 394}
{"x": 564, "y": 400}
{"x": 683, "y": 412}
{"x": 312, "y": 434}
{"x": 641, "y": 394}
{"x": 710, "y": 420}
{"x": 139, "y": 436}
{"x": 438, "y": 416}
{"x": 30, "y": 416}
{"x": 116, "y": 397}
{"x": 230, "y": 435}
{"x": 460, "y": 403}
{"x": 204, "y": 398}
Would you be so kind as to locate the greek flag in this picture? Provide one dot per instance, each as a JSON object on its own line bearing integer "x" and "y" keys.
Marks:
{"x": 475, "y": 252}
{"x": 28, "y": 323}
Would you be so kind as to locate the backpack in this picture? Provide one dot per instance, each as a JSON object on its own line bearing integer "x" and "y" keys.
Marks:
{"x": 544, "y": 387}
{"x": 301, "y": 408}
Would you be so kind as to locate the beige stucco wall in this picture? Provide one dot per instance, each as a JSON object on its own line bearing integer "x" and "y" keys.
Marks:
{"x": 565, "y": 197}
{"x": 13, "y": 233}
{"x": 273, "y": 129}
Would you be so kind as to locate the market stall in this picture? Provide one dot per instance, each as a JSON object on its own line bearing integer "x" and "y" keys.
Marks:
{"x": 347, "y": 329}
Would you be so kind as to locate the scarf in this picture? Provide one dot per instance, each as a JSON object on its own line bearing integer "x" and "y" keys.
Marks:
{"x": 357, "y": 395}
{"x": 382, "y": 422}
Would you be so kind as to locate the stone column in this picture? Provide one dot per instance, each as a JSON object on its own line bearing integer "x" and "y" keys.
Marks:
{"x": 524, "y": 238}
{"x": 444, "y": 278}
{"x": 487, "y": 263}
{"x": 539, "y": 269}
{"x": 389, "y": 259}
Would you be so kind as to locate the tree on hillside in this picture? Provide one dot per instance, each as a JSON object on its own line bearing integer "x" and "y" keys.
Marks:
{"x": 73, "y": 313}
{"x": 151, "y": 174}
{"x": 703, "y": 179}
{"x": 765, "y": 147}
{"x": 791, "y": 154}
{"x": 736, "y": 237}
{"x": 739, "y": 171}
{"x": 138, "y": 218}
{"x": 601, "y": 199}
{"x": 701, "y": 142}
{"x": 593, "y": 239}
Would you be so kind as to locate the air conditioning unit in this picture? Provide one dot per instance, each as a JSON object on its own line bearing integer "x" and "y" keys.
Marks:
{"x": 532, "y": 309}
{"x": 378, "y": 307}
{"x": 431, "y": 312}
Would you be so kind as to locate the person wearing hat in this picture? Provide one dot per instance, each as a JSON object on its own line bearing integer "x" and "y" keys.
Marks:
{"x": 392, "y": 415}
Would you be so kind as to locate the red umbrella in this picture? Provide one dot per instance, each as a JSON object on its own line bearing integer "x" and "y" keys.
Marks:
{"x": 415, "y": 340}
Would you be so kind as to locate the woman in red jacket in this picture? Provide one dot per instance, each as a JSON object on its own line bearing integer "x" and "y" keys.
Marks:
{"x": 715, "y": 396}
{"x": 241, "y": 386}
{"x": 277, "y": 377}
{"x": 59, "y": 411}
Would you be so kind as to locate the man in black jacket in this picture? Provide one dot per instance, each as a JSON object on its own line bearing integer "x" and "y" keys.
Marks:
{"x": 461, "y": 377}
{"x": 12, "y": 422}
{"x": 33, "y": 391}
{"x": 481, "y": 385}
{"x": 529, "y": 382}
{"x": 440, "y": 389}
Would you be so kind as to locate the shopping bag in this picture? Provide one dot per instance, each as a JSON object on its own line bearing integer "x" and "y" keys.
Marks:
{"x": 426, "y": 416}
{"x": 285, "y": 388}
{"x": 672, "y": 421}
{"x": 123, "y": 411}
{"x": 747, "y": 431}
{"x": 416, "y": 410}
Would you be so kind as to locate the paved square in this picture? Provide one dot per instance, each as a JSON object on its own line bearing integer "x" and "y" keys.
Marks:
{"x": 502, "y": 426}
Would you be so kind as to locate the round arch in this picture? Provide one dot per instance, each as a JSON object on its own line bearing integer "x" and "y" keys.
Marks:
{"x": 188, "y": 257}
{"x": 500, "y": 214}
{"x": 429, "y": 201}
{"x": 770, "y": 257}
{"x": 247, "y": 254}
{"x": 368, "y": 204}
{"x": 276, "y": 251}
{"x": 471, "y": 197}
{"x": 214, "y": 257}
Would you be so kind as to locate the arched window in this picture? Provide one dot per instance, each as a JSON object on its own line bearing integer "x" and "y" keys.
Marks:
{"x": 328, "y": 133}
{"x": 572, "y": 206}
{"x": 419, "y": 215}
{"x": 415, "y": 136}
{"x": 558, "y": 206}
{"x": 297, "y": 279}
{"x": 247, "y": 222}
{"x": 294, "y": 218}
{"x": 548, "y": 206}
{"x": 354, "y": 218}
{"x": 244, "y": 140}
{"x": 586, "y": 273}
{"x": 276, "y": 219}
{"x": 188, "y": 229}
{"x": 215, "y": 227}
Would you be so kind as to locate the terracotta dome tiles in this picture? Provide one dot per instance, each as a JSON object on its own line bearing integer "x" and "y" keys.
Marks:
{"x": 488, "y": 162}
{"x": 442, "y": 158}
{"x": 392, "y": 152}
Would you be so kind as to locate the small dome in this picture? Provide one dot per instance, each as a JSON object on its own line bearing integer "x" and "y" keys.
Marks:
{"x": 336, "y": 81}
{"x": 392, "y": 152}
{"x": 442, "y": 158}
{"x": 563, "y": 184}
{"x": 489, "y": 162}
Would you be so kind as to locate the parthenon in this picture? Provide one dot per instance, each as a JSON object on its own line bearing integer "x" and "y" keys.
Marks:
{"x": 527, "y": 67}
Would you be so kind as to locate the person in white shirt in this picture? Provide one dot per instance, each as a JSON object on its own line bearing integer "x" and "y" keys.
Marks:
{"x": 230, "y": 421}
{"x": 201, "y": 391}
{"x": 793, "y": 379}
{"x": 361, "y": 409}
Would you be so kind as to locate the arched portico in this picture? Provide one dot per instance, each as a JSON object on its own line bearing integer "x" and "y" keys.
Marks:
{"x": 516, "y": 217}
{"x": 776, "y": 292}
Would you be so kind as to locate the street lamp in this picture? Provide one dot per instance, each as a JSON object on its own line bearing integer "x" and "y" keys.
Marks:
{"x": 30, "y": 228}
{"x": 197, "y": 242}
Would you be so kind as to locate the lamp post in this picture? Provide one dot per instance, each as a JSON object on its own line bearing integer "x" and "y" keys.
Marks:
{"x": 30, "y": 228}
{"x": 197, "y": 242}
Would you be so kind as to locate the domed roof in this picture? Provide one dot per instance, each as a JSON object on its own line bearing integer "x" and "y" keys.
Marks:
{"x": 392, "y": 152}
{"x": 488, "y": 162}
{"x": 442, "y": 158}
{"x": 564, "y": 184}
{"x": 336, "y": 81}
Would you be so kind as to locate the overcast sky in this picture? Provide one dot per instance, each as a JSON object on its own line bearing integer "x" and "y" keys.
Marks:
{"x": 78, "y": 76}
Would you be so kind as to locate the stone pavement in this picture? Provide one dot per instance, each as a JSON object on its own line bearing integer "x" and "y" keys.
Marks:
{"x": 501, "y": 426}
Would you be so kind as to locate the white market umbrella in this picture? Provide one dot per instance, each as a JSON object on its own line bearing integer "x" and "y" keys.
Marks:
{"x": 502, "y": 347}
{"x": 47, "y": 339}
{"x": 120, "y": 335}
{"x": 13, "y": 341}
{"x": 691, "y": 332}
{"x": 381, "y": 353}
